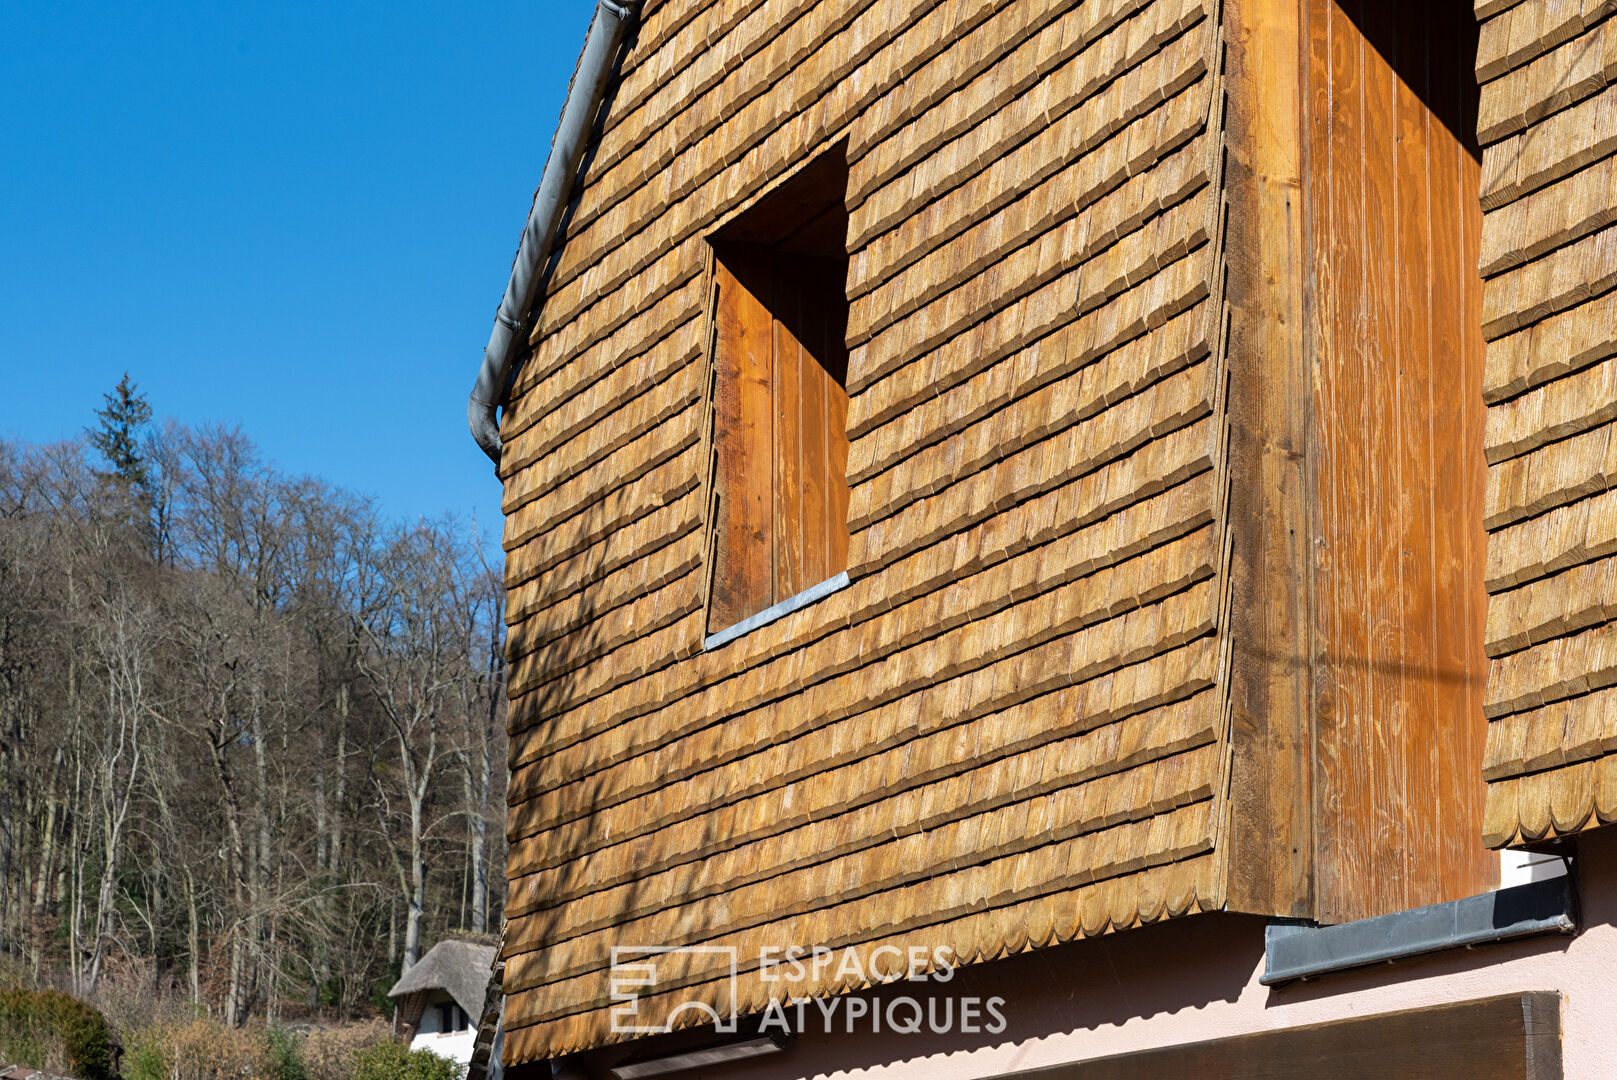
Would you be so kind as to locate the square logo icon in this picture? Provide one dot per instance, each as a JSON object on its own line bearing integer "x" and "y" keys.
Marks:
{"x": 637, "y": 970}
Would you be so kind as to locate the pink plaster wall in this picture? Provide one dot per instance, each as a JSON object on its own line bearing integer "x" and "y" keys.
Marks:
{"x": 1197, "y": 979}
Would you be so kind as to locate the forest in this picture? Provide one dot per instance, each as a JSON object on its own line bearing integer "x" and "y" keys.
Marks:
{"x": 252, "y": 737}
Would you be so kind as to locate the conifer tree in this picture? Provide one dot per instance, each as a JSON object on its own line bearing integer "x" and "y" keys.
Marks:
{"x": 123, "y": 418}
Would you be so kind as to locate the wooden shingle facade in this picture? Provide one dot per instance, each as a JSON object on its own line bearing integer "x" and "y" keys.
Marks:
{"x": 1006, "y": 724}
{"x": 1120, "y": 628}
{"x": 1549, "y": 252}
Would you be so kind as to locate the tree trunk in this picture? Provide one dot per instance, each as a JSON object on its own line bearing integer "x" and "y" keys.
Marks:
{"x": 263, "y": 864}
{"x": 322, "y": 837}
{"x": 75, "y": 931}
{"x": 477, "y": 809}
{"x": 8, "y": 780}
{"x": 418, "y": 888}
{"x": 194, "y": 938}
{"x": 342, "y": 777}
{"x": 47, "y": 854}
{"x": 239, "y": 863}
{"x": 115, "y": 812}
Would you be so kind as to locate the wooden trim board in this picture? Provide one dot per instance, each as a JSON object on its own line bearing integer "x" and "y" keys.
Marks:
{"x": 1512, "y": 1037}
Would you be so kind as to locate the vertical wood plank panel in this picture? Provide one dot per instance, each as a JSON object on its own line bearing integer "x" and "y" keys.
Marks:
{"x": 836, "y": 440}
{"x": 743, "y": 441}
{"x": 816, "y": 452}
{"x": 780, "y": 427}
{"x": 1467, "y": 519}
{"x": 724, "y": 598}
{"x": 1375, "y": 619}
{"x": 1344, "y": 776}
{"x": 1419, "y": 436}
{"x": 794, "y": 374}
{"x": 1270, "y": 833}
{"x": 1396, "y": 455}
{"x": 1459, "y": 541}
{"x": 832, "y": 353}
{"x": 1317, "y": 317}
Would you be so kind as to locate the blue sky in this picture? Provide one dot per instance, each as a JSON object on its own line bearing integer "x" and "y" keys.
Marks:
{"x": 294, "y": 217}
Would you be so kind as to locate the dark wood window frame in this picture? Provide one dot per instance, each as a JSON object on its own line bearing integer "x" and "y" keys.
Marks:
{"x": 777, "y": 491}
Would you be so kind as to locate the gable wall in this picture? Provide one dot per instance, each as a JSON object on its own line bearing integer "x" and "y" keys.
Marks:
{"x": 1007, "y": 730}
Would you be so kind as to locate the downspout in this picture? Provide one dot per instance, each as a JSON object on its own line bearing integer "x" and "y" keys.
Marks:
{"x": 607, "y": 31}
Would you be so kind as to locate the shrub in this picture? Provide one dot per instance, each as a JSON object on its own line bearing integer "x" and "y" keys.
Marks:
{"x": 144, "y": 1060}
{"x": 285, "y": 1055}
{"x": 332, "y": 1053}
{"x": 45, "y": 1029}
{"x": 130, "y": 998}
{"x": 208, "y": 1050}
{"x": 392, "y": 1061}
{"x": 201, "y": 1050}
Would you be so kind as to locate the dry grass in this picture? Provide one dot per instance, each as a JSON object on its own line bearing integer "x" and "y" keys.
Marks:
{"x": 329, "y": 1053}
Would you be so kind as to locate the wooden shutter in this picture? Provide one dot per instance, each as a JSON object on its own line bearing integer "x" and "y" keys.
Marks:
{"x": 1398, "y": 549}
{"x": 779, "y": 429}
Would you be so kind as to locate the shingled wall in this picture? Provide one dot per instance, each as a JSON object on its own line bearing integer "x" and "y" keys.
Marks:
{"x": 1007, "y": 730}
{"x": 1549, "y": 252}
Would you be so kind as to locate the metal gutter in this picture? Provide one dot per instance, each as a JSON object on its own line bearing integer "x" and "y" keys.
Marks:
{"x": 1295, "y": 951}
{"x": 607, "y": 30}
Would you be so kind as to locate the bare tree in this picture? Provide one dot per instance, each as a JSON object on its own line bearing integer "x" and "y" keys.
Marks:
{"x": 416, "y": 666}
{"x": 248, "y": 728}
{"x": 482, "y": 752}
{"x": 122, "y": 646}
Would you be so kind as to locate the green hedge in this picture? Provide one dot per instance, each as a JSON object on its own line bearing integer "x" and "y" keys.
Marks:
{"x": 44, "y": 1029}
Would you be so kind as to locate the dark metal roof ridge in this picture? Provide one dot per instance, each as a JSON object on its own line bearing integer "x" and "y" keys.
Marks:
{"x": 1300, "y": 951}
